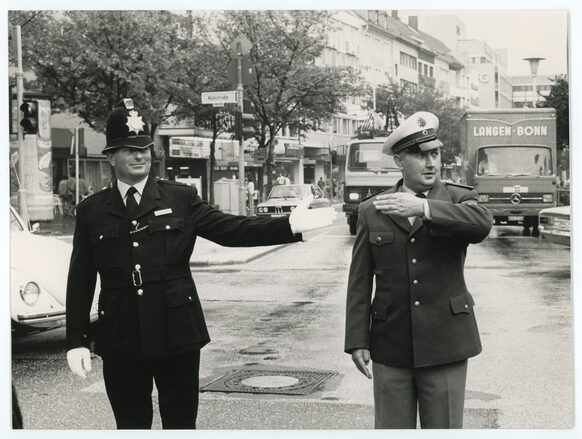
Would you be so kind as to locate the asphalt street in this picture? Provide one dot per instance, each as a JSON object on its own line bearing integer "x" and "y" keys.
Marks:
{"x": 285, "y": 310}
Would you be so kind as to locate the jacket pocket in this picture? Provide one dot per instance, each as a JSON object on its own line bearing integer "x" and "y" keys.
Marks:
{"x": 108, "y": 340}
{"x": 381, "y": 244}
{"x": 166, "y": 234}
{"x": 103, "y": 244}
{"x": 462, "y": 304}
{"x": 379, "y": 310}
{"x": 186, "y": 325}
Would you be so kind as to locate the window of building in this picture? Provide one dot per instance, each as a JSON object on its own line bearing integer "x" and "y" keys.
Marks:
{"x": 395, "y": 69}
{"x": 430, "y": 71}
{"x": 408, "y": 61}
{"x": 458, "y": 31}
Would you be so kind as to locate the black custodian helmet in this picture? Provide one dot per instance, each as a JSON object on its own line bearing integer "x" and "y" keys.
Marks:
{"x": 125, "y": 127}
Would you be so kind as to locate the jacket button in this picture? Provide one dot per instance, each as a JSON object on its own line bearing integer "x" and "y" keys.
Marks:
{"x": 168, "y": 227}
{"x": 414, "y": 282}
{"x": 102, "y": 313}
{"x": 134, "y": 223}
{"x": 412, "y": 240}
{"x": 413, "y": 261}
{"x": 466, "y": 306}
{"x": 100, "y": 236}
{"x": 378, "y": 238}
{"x": 137, "y": 266}
{"x": 417, "y": 303}
{"x": 136, "y": 244}
{"x": 140, "y": 292}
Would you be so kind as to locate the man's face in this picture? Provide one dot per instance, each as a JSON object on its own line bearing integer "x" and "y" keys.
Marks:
{"x": 420, "y": 170}
{"x": 131, "y": 164}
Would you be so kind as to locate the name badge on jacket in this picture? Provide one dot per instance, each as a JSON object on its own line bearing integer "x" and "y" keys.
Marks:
{"x": 163, "y": 212}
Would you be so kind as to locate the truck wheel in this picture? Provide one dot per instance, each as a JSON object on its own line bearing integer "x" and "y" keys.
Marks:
{"x": 352, "y": 222}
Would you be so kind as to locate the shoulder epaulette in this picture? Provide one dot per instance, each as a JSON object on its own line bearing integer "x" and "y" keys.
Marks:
{"x": 102, "y": 191}
{"x": 172, "y": 182}
{"x": 464, "y": 186}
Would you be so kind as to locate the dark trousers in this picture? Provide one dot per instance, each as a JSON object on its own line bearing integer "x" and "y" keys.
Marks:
{"x": 129, "y": 385}
{"x": 437, "y": 392}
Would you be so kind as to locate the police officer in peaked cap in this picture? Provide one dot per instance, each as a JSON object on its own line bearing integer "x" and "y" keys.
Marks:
{"x": 138, "y": 236}
{"x": 420, "y": 328}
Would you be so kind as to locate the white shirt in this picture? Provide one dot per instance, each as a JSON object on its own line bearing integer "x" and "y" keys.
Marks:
{"x": 426, "y": 208}
{"x": 123, "y": 188}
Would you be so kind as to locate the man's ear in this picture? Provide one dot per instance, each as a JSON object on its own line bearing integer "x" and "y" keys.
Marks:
{"x": 397, "y": 160}
{"x": 109, "y": 157}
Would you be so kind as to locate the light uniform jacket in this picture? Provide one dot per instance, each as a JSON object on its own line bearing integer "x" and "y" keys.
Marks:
{"x": 148, "y": 305}
{"x": 421, "y": 313}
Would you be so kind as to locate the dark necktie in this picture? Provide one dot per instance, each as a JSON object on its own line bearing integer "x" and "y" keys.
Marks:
{"x": 421, "y": 195}
{"x": 130, "y": 203}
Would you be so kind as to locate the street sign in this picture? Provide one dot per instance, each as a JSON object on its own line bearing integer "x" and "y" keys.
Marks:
{"x": 219, "y": 97}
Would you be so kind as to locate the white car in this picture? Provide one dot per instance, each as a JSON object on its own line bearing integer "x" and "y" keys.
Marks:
{"x": 554, "y": 225}
{"x": 38, "y": 279}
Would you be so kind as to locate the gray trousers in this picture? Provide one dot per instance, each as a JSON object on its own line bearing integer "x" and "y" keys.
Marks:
{"x": 436, "y": 392}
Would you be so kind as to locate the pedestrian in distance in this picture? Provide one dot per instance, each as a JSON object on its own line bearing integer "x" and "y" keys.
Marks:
{"x": 139, "y": 235}
{"x": 321, "y": 184}
{"x": 65, "y": 197}
{"x": 420, "y": 328}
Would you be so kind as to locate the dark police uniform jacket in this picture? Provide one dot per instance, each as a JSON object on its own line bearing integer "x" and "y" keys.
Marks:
{"x": 148, "y": 305}
{"x": 421, "y": 313}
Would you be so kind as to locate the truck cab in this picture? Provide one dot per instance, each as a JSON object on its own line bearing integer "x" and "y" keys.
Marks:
{"x": 368, "y": 171}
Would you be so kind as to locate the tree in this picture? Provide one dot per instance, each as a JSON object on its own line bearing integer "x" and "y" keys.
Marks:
{"x": 559, "y": 100}
{"x": 204, "y": 65}
{"x": 86, "y": 61}
{"x": 408, "y": 100}
{"x": 287, "y": 87}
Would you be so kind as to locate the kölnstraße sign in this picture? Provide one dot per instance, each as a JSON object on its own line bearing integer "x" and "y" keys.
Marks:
{"x": 219, "y": 97}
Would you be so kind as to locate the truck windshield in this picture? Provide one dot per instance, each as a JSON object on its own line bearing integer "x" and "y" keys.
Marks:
{"x": 514, "y": 161}
{"x": 369, "y": 157}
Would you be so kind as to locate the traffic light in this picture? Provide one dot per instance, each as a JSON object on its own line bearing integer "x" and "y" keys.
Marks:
{"x": 29, "y": 122}
{"x": 244, "y": 125}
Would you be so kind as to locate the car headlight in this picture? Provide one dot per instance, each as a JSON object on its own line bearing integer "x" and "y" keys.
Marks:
{"x": 354, "y": 196}
{"x": 548, "y": 198}
{"x": 483, "y": 198}
{"x": 30, "y": 293}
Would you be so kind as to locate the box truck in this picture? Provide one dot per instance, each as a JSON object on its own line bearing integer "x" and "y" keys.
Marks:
{"x": 509, "y": 157}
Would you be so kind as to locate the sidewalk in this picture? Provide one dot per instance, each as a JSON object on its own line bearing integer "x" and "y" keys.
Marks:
{"x": 206, "y": 253}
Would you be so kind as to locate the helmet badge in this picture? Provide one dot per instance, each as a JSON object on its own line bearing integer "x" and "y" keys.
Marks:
{"x": 135, "y": 122}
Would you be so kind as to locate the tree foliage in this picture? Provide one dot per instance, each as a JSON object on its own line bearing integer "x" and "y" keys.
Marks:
{"x": 287, "y": 87}
{"x": 86, "y": 61}
{"x": 559, "y": 100}
{"x": 408, "y": 100}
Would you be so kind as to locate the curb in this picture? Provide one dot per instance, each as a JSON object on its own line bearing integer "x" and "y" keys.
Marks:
{"x": 241, "y": 260}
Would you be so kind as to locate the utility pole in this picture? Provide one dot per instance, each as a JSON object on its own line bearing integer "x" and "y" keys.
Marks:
{"x": 22, "y": 209}
{"x": 241, "y": 150}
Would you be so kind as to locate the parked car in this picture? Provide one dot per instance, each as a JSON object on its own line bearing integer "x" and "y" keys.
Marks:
{"x": 284, "y": 198}
{"x": 38, "y": 279}
{"x": 554, "y": 225}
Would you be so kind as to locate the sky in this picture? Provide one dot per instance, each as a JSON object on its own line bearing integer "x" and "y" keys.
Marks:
{"x": 523, "y": 33}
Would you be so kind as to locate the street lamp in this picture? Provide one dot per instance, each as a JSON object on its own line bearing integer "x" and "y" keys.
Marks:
{"x": 533, "y": 68}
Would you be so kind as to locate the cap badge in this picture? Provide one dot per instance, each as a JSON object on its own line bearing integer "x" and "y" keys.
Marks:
{"x": 128, "y": 103}
{"x": 134, "y": 122}
{"x": 421, "y": 122}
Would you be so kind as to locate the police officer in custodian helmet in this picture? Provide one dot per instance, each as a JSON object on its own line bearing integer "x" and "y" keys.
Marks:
{"x": 420, "y": 327}
{"x": 139, "y": 235}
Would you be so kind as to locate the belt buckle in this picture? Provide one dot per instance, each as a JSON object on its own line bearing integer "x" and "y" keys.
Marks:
{"x": 136, "y": 278}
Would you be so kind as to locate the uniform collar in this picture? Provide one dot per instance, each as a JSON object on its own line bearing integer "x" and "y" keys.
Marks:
{"x": 405, "y": 188}
{"x": 123, "y": 187}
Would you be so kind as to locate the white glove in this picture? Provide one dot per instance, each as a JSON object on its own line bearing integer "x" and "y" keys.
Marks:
{"x": 303, "y": 219}
{"x": 79, "y": 360}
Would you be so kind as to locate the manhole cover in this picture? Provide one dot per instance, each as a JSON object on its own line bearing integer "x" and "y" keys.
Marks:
{"x": 278, "y": 381}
